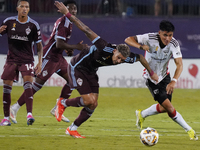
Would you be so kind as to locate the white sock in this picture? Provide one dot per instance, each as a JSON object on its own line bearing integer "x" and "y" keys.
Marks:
{"x": 63, "y": 102}
{"x": 29, "y": 113}
{"x": 179, "y": 119}
{"x": 15, "y": 107}
{"x": 73, "y": 127}
{"x": 150, "y": 111}
{"x": 7, "y": 118}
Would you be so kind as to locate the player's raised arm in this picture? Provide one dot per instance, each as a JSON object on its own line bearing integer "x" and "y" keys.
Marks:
{"x": 88, "y": 32}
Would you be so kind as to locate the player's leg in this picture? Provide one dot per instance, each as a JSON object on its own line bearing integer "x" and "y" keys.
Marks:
{"x": 8, "y": 75}
{"x": 90, "y": 102}
{"x": 66, "y": 90}
{"x": 155, "y": 109}
{"x": 7, "y": 88}
{"x": 28, "y": 95}
{"x": 177, "y": 117}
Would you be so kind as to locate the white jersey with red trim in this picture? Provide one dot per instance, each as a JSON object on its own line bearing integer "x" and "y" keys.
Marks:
{"x": 157, "y": 57}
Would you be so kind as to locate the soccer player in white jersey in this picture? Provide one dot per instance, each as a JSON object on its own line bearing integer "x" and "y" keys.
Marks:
{"x": 159, "y": 48}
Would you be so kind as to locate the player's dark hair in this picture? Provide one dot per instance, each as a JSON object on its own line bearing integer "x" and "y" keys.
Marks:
{"x": 69, "y": 2}
{"x": 124, "y": 49}
{"x": 21, "y": 1}
{"x": 166, "y": 26}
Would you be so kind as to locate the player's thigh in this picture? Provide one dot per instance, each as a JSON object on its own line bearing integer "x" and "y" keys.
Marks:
{"x": 48, "y": 68}
{"x": 27, "y": 70}
{"x": 159, "y": 93}
{"x": 62, "y": 71}
{"x": 10, "y": 71}
{"x": 168, "y": 106}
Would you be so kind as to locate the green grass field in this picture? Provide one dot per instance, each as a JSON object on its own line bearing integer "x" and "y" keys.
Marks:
{"x": 111, "y": 127}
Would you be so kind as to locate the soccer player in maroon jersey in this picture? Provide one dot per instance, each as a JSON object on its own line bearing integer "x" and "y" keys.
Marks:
{"x": 53, "y": 60}
{"x": 22, "y": 32}
{"x": 82, "y": 72}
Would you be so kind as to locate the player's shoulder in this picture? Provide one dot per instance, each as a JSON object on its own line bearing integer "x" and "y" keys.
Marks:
{"x": 34, "y": 22}
{"x": 10, "y": 18}
{"x": 174, "y": 42}
{"x": 153, "y": 36}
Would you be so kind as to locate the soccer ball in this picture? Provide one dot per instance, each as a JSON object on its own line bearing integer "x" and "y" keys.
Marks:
{"x": 149, "y": 136}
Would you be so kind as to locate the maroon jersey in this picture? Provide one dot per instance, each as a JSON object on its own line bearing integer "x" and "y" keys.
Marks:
{"x": 62, "y": 30}
{"x": 21, "y": 38}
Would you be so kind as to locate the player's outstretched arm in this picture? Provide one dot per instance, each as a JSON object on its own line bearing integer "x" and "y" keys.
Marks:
{"x": 143, "y": 61}
{"x": 88, "y": 32}
{"x": 60, "y": 43}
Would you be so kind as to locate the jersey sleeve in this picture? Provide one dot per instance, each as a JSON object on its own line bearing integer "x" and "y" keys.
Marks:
{"x": 61, "y": 29}
{"x": 99, "y": 43}
{"x": 176, "y": 51}
{"x": 132, "y": 58}
{"x": 37, "y": 33}
{"x": 142, "y": 38}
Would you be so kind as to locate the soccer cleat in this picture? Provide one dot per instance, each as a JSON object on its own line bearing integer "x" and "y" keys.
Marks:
{"x": 59, "y": 110}
{"x": 192, "y": 134}
{"x": 13, "y": 115}
{"x": 30, "y": 120}
{"x": 140, "y": 119}
{"x": 65, "y": 119}
{"x": 5, "y": 122}
{"x": 73, "y": 133}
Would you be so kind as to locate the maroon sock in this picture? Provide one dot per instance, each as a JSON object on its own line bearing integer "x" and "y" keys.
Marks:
{"x": 75, "y": 102}
{"x": 28, "y": 93}
{"x": 6, "y": 99}
{"x": 36, "y": 87}
{"x": 84, "y": 115}
{"x": 66, "y": 92}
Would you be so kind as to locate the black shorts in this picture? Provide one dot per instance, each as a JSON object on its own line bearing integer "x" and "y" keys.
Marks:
{"x": 158, "y": 91}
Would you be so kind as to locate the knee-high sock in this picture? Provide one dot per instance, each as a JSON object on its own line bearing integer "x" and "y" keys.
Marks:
{"x": 66, "y": 92}
{"x": 84, "y": 115}
{"x": 152, "y": 110}
{"x": 176, "y": 117}
{"x": 75, "y": 102}
{"x": 6, "y": 99}
{"x": 28, "y": 93}
{"x": 36, "y": 87}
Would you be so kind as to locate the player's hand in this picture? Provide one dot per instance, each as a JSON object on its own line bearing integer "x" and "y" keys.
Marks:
{"x": 155, "y": 77}
{"x": 145, "y": 47}
{"x": 61, "y": 7}
{"x": 69, "y": 52}
{"x": 81, "y": 46}
{"x": 38, "y": 69}
{"x": 2, "y": 28}
{"x": 170, "y": 87}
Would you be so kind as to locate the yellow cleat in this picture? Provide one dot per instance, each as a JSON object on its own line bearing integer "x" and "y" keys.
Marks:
{"x": 192, "y": 135}
{"x": 140, "y": 119}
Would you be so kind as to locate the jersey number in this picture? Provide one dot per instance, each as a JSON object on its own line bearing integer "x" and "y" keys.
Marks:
{"x": 29, "y": 66}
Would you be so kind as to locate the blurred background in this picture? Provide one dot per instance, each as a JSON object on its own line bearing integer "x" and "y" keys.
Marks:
{"x": 114, "y": 20}
{"x": 114, "y": 7}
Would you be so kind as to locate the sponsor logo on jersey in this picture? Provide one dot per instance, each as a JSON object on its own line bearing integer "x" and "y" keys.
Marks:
{"x": 44, "y": 73}
{"x": 17, "y": 37}
{"x": 79, "y": 81}
{"x": 28, "y": 30}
